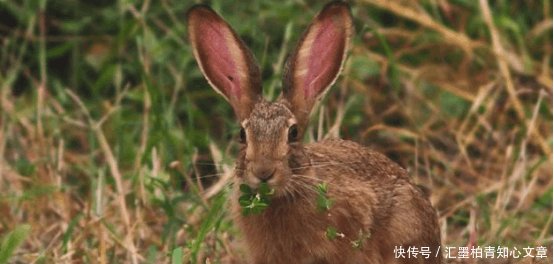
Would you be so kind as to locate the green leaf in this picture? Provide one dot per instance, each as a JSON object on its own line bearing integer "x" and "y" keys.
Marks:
{"x": 322, "y": 188}
{"x": 260, "y": 205}
{"x": 264, "y": 189}
{"x": 323, "y": 202}
{"x": 244, "y": 188}
{"x": 177, "y": 256}
{"x": 265, "y": 200}
{"x": 331, "y": 233}
{"x": 12, "y": 241}
{"x": 245, "y": 200}
{"x": 255, "y": 203}
{"x": 69, "y": 231}
{"x": 151, "y": 255}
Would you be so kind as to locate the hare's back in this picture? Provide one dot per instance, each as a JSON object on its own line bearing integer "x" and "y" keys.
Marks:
{"x": 347, "y": 158}
{"x": 373, "y": 183}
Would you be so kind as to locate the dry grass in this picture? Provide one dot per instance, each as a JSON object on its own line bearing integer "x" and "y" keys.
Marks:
{"x": 104, "y": 150}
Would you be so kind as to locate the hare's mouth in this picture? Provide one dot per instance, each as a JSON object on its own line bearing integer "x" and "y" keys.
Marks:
{"x": 277, "y": 185}
{"x": 274, "y": 183}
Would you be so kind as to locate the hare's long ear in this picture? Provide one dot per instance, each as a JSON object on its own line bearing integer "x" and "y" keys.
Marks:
{"x": 225, "y": 61}
{"x": 317, "y": 59}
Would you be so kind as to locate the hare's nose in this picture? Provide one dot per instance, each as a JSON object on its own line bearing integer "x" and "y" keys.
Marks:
{"x": 265, "y": 175}
{"x": 262, "y": 171}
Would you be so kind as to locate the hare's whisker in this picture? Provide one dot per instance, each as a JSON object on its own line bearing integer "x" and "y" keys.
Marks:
{"x": 323, "y": 164}
{"x": 215, "y": 175}
{"x": 311, "y": 178}
{"x": 211, "y": 163}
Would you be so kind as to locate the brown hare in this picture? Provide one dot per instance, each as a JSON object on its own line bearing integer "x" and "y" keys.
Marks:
{"x": 372, "y": 207}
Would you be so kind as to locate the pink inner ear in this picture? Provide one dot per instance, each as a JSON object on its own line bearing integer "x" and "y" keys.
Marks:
{"x": 216, "y": 58}
{"x": 325, "y": 57}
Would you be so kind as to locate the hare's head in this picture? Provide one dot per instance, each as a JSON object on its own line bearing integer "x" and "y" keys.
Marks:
{"x": 271, "y": 132}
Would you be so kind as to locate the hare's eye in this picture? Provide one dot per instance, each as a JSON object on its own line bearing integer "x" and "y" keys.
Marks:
{"x": 293, "y": 133}
{"x": 242, "y": 137}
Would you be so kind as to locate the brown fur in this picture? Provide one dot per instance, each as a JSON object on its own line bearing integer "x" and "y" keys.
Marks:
{"x": 373, "y": 199}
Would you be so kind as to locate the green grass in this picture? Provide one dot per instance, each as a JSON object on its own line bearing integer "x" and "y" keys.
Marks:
{"x": 12, "y": 240}
{"x": 113, "y": 148}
